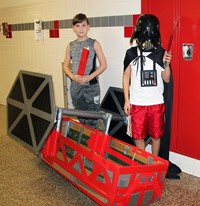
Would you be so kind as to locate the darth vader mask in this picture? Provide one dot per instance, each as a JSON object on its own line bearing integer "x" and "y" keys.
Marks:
{"x": 147, "y": 32}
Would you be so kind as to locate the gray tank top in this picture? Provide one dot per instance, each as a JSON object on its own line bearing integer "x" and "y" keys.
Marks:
{"x": 75, "y": 53}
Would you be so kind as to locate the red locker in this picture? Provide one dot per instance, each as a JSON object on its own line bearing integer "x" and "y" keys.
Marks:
{"x": 185, "y": 67}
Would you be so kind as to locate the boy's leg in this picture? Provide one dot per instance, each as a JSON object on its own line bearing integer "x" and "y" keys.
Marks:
{"x": 140, "y": 143}
{"x": 156, "y": 125}
{"x": 155, "y": 146}
{"x": 138, "y": 125}
{"x": 87, "y": 98}
{"x": 79, "y": 100}
{"x": 92, "y": 102}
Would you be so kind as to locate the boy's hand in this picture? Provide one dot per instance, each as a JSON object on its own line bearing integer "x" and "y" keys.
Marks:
{"x": 81, "y": 79}
{"x": 167, "y": 58}
{"x": 127, "y": 108}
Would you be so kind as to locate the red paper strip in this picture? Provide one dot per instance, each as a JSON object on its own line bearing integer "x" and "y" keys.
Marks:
{"x": 83, "y": 61}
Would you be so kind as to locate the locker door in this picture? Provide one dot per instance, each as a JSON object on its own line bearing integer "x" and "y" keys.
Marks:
{"x": 188, "y": 111}
{"x": 185, "y": 133}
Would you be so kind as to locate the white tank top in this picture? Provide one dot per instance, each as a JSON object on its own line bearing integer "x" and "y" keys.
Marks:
{"x": 150, "y": 95}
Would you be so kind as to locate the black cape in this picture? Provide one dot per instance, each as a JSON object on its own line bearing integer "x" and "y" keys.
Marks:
{"x": 157, "y": 56}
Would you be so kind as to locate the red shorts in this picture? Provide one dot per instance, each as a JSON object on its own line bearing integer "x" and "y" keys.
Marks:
{"x": 147, "y": 118}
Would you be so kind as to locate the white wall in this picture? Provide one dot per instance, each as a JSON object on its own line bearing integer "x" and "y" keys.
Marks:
{"x": 23, "y": 52}
{"x": 12, "y": 3}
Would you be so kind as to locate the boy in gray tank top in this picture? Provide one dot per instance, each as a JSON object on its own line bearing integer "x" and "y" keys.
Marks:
{"x": 82, "y": 52}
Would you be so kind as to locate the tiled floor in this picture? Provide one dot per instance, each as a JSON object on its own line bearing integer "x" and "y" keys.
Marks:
{"x": 25, "y": 180}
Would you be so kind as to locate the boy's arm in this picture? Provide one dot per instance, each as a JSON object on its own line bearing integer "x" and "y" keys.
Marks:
{"x": 125, "y": 84}
{"x": 101, "y": 59}
{"x": 66, "y": 64}
{"x": 166, "y": 73}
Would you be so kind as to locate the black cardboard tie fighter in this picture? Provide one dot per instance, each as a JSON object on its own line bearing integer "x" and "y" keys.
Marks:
{"x": 108, "y": 170}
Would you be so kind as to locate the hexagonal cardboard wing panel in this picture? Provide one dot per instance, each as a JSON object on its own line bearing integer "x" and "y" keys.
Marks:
{"x": 113, "y": 102}
{"x": 31, "y": 109}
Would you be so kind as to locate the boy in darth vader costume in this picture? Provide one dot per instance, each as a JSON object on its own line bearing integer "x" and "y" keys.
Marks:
{"x": 147, "y": 86}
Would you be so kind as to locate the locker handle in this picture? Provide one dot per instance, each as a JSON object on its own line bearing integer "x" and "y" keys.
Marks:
{"x": 187, "y": 51}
